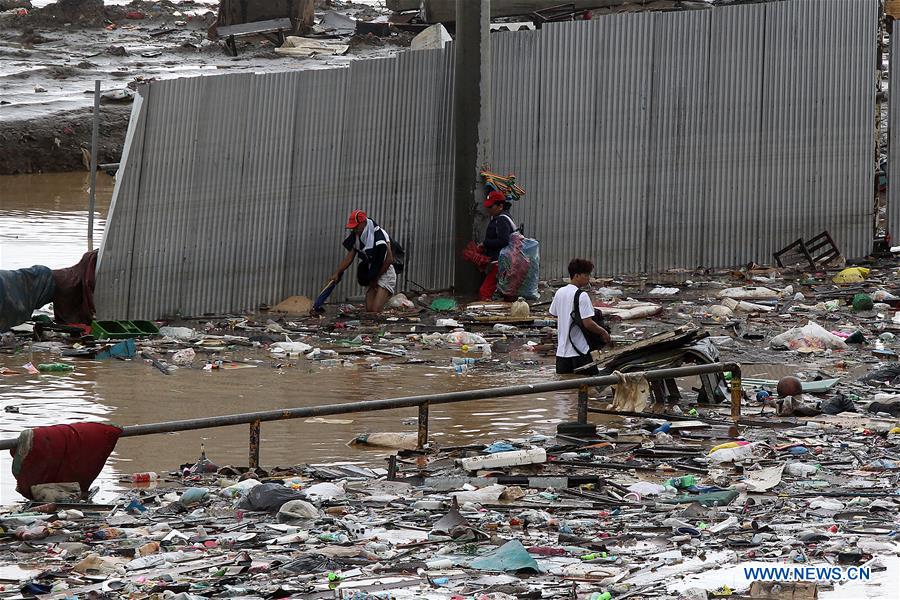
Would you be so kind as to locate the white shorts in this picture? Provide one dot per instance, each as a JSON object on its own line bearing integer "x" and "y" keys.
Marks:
{"x": 388, "y": 280}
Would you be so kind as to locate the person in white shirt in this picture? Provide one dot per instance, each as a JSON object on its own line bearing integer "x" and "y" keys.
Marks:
{"x": 577, "y": 332}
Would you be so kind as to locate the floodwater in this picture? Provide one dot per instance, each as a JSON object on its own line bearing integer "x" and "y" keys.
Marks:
{"x": 43, "y": 220}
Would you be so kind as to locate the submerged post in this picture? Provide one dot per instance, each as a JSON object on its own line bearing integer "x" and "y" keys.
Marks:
{"x": 95, "y": 133}
{"x": 471, "y": 129}
{"x": 422, "y": 440}
{"x": 582, "y": 404}
{"x": 735, "y": 394}
{"x": 254, "y": 445}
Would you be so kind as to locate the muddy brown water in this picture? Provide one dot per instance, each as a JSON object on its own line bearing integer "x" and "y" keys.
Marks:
{"x": 43, "y": 221}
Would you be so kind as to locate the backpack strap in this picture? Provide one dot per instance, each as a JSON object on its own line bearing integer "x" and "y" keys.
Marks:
{"x": 511, "y": 222}
{"x": 575, "y": 317}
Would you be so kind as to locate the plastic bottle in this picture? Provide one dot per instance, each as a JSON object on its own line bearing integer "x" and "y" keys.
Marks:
{"x": 145, "y": 477}
{"x": 439, "y": 563}
{"x": 203, "y": 464}
{"x": 685, "y": 481}
{"x": 55, "y": 368}
{"x": 338, "y": 538}
{"x": 462, "y": 360}
{"x": 460, "y": 369}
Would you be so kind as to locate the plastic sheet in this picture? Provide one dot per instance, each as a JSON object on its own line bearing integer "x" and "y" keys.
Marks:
{"x": 511, "y": 557}
{"x": 812, "y": 337}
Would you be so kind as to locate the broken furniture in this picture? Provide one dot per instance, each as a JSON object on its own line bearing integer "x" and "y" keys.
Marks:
{"x": 816, "y": 252}
{"x": 273, "y": 30}
{"x": 663, "y": 351}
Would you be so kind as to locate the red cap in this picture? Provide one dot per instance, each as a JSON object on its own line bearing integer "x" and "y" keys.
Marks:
{"x": 355, "y": 218}
{"x": 493, "y": 198}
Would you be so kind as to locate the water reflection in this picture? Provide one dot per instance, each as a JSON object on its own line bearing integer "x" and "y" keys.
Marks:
{"x": 43, "y": 218}
{"x": 132, "y": 392}
{"x": 43, "y": 221}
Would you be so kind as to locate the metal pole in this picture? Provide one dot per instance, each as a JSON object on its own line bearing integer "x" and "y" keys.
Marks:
{"x": 254, "y": 445}
{"x": 406, "y": 402}
{"x": 471, "y": 129}
{"x": 422, "y": 440}
{"x": 582, "y": 404}
{"x": 94, "y": 135}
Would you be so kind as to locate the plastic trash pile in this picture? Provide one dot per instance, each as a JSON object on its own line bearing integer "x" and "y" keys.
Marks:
{"x": 647, "y": 508}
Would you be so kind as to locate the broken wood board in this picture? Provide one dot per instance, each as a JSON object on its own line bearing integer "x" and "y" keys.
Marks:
{"x": 854, "y": 421}
{"x": 305, "y": 47}
{"x": 679, "y": 335}
{"x": 687, "y": 425}
{"x": 504, "y": 319}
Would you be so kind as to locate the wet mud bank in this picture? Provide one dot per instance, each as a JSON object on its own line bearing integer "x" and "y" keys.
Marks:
{"x": 51, "y": 56}
{"x": 61, "y": 141}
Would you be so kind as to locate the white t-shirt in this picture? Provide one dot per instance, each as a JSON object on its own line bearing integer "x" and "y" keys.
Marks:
{"x": 561, "y": 308}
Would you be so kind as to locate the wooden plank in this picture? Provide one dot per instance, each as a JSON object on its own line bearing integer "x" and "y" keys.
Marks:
{"x": 604, "y": 357}
{"x": 504, "y": 319}
{"x": 256, "y": 27}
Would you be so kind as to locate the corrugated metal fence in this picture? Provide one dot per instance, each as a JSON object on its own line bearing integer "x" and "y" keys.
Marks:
{"x": 893, "y": 166}
{"x": 645, "y": 141}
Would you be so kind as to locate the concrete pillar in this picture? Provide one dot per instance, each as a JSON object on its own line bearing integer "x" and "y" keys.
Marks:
{"x": 472, "y": 130}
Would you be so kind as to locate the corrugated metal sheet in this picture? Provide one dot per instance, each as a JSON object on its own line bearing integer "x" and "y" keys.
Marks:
{"x": 645, "y": 141}
{"x": 893, "y": 167}
{"x": 818, "y": 130}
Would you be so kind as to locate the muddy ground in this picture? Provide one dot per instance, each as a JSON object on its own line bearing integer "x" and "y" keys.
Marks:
{"x": 59, "y": 141}
{"x": 51, "y": 56}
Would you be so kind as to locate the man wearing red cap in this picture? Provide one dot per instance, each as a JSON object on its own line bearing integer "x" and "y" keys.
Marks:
{"x": 372, "y": 245}
{"x": 496, "y": 238}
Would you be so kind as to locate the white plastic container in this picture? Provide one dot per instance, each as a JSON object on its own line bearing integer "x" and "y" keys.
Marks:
{"x": 531, "y": 456}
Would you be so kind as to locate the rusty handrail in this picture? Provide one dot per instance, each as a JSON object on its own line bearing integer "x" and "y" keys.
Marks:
{"x": 254, "y": 419}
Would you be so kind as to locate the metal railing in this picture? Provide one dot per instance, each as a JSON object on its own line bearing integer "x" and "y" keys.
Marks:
{"x": 254, "y": 419}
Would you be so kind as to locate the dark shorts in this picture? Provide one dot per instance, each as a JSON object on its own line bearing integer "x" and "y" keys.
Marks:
{"x": 565, "y": 365}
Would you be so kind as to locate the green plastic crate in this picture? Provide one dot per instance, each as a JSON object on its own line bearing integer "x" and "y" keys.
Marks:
{"x": 117, "y": 330}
